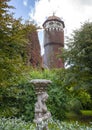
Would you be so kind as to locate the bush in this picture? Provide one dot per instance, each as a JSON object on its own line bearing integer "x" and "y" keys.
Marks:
{"x": 21, "y": 102}
{"x": 26, "y": 102}
{"x": 56, "y": 103}
{"x": 15, "y": 124}
{"x": 18, "y": 124}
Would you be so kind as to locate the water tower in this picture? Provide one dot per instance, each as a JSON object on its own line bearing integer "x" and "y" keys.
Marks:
{"x": 53, "y": 42}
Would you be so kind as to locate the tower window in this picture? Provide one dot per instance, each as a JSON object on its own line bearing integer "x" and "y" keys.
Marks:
{"x": 50, "y": 23}
{"x": 58, "y": 24}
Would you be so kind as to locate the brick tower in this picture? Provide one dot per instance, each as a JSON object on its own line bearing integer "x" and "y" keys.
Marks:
{"x": 53, "y": 41}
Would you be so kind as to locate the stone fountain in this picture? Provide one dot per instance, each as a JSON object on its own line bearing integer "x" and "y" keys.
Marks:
{"x": 41, "y": 113}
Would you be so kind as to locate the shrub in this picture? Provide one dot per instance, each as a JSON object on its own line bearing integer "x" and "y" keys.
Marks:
{"x": 56, "y": 103}
{"x": 18, "y": 124}
{"x": 15, "y": 124}
{"x": 21, "y": 102}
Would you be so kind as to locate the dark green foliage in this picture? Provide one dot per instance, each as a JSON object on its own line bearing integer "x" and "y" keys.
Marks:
{"x": 79, "y": 53}
{"x": 78, "y": 60}
{"x": 21, "y": 98}
{"x": 58, "y": 99}
{"x": 18, "y": 101}
{"x": 26, "y": 101}
{"x": 13, "y": 69}
{"x": 12, "y": 46}
{"x": 57, "y": 102}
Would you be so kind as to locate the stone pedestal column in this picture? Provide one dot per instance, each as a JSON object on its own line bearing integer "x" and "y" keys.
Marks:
{"x": 41, "y": 113}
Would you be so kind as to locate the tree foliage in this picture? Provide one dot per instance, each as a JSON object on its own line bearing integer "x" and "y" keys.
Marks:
{"x": 78, "y": 58}
{"x": 12, "y": 44}
{"x": 13, "y": 68}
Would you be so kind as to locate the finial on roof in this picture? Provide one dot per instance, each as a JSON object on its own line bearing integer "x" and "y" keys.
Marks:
{"x": 54, "y": 13}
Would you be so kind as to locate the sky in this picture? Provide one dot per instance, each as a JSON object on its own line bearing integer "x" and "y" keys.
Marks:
{"x": 72, "y": 12}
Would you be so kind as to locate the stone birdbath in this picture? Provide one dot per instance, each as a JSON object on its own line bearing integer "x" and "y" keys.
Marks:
{"x": 41, "y": 113}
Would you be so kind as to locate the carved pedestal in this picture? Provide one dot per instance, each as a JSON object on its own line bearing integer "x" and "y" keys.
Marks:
{"x": 41, "y": 113}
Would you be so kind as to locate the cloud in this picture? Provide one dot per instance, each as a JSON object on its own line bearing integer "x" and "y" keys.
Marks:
{"x": 73, "y": 12}
{"x": 85, "y": 2}
{"x": 25, "y": 2}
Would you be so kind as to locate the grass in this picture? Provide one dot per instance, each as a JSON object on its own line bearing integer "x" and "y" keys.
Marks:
{"x": 85, "y": 116}
{"x": 86, "y": 112}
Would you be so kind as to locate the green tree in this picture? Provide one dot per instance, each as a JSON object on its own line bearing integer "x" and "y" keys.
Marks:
{"x": 13, "y": 69}
{"x": 12, "y": 44}
{"x": 78, "y": 58}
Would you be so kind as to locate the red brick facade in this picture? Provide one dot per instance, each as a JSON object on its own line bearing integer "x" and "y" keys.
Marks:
{"x": 33, "y": 50}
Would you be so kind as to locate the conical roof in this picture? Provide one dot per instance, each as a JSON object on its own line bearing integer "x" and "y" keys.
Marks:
{"x": 53, "y": 18}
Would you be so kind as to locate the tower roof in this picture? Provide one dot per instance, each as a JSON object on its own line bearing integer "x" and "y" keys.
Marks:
{"x": 53, "y": 18}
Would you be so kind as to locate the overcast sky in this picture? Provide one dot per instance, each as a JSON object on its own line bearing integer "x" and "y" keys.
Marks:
{"x": 73, "y": 12}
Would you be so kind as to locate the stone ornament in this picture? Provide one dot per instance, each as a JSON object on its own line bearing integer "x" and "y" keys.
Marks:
{"x": 41, "y": 112}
